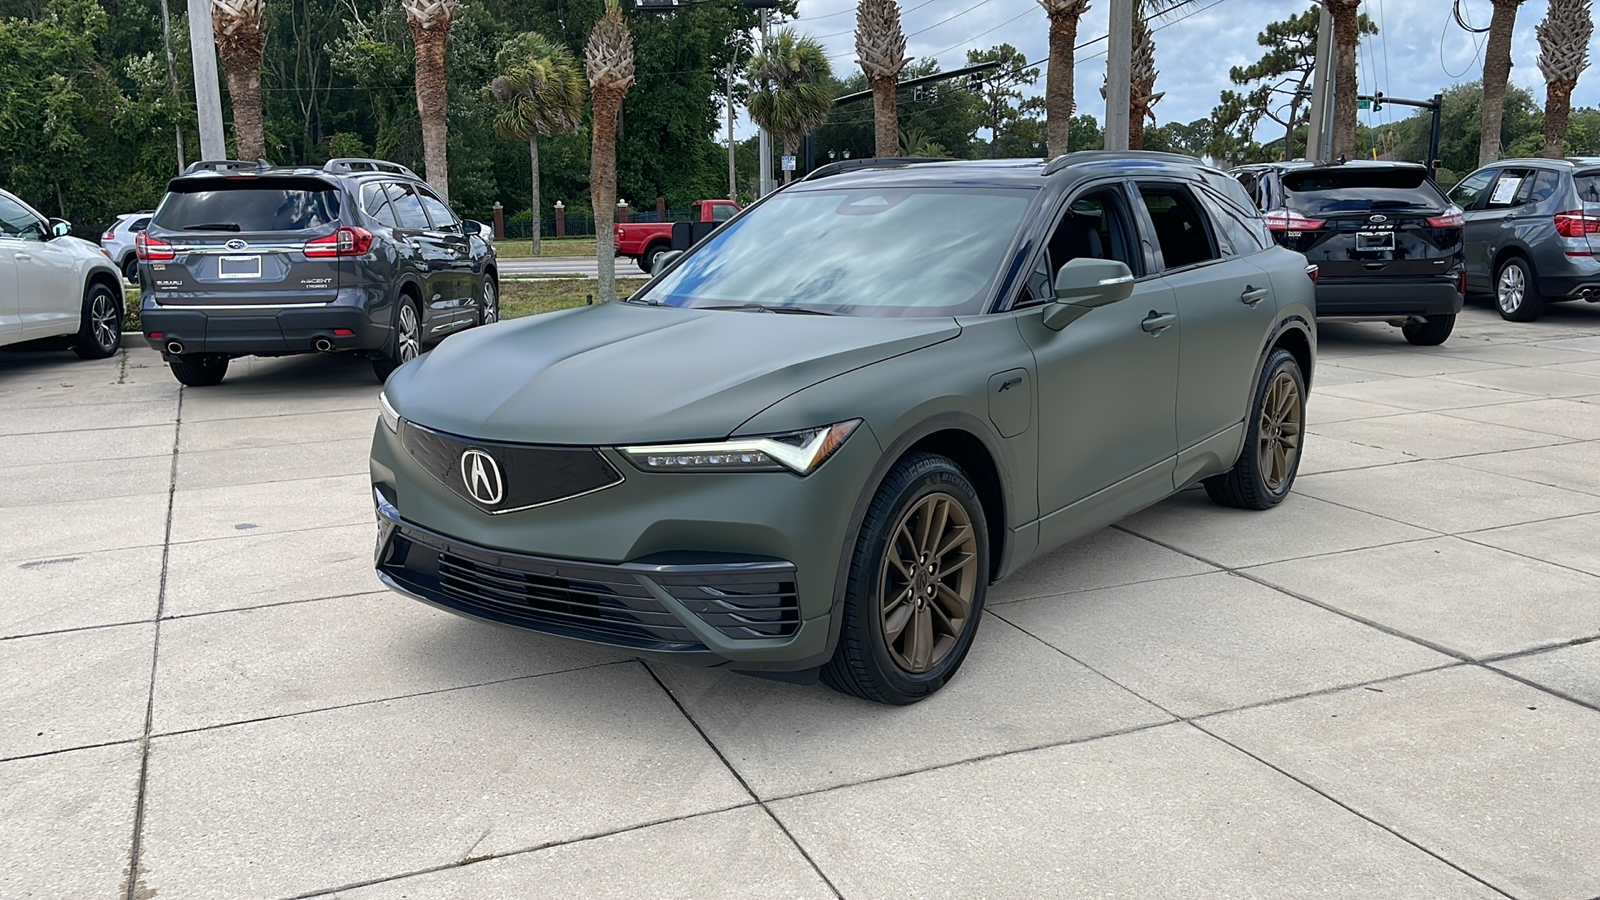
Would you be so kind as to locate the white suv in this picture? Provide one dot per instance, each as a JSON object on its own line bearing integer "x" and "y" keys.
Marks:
{"x": 118, "y": 242}
{"x": 55, "y": 286}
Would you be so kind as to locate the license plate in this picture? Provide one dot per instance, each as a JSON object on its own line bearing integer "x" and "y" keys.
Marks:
{"x": 1374, "y": 240}
{"x": 239, "y": 267}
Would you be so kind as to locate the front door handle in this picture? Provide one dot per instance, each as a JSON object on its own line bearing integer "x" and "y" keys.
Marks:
{"x": 1155, "y": 323}
{"x": 1253, "y": 295}
{"x": 22, "y": 257}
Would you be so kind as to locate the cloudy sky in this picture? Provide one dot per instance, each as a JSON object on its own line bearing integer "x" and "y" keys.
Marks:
{"x": 1418, "y": 52}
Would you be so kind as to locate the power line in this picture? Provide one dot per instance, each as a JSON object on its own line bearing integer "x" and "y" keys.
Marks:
{"x": 852, "y": 30}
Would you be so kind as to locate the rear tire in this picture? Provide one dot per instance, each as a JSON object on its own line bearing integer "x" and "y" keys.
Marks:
{"x": 916, "y": 585}
{"x": 130, "y": 269}
{"x": 647, "y": 262}
{"x": 1515, "y": 295}
{"x": 1266, "y": 468}
{"x": 1431, "y": 333}
{"x": 199, "y": 369}
{"x": 405, "y": 343}
{"x": 100, "y": 330}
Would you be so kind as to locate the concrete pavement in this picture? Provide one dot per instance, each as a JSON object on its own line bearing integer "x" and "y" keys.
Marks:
{"x": 1389, "y": 687}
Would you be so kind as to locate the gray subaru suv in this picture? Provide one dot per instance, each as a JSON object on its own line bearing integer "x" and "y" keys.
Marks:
{"x": 358, "y": 256}
{"x": 1532, "y": 231}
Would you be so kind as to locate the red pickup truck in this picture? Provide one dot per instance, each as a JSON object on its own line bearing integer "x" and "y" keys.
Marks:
{"x": 643, "y": 241}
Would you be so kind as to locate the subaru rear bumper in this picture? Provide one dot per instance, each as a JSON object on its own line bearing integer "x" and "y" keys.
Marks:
{"x": 261, "y": 331}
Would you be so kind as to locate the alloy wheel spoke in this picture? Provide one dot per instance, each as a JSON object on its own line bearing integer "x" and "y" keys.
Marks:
{"x": 956, "y": 537}
{"x": 952, "y": 607}
{"x": 894, "y": 623}
{"x": 920, "y": 650}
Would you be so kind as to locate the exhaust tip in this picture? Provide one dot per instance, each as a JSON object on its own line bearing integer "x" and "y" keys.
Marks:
{"x": 323, "y": 344}
{"x": 175, "y": 347}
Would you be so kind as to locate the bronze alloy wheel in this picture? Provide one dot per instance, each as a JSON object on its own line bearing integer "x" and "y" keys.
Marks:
{"x": 1278, "y": 441}
{"x": 929, "y": 578}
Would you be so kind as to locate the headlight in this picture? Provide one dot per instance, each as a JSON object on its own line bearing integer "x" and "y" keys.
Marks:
{"x": 797, "y": 451}
{"x": 386, "y": 414}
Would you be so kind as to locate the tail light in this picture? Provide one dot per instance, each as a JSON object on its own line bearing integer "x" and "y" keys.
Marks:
{"x": 345, "y": 241}
{"x": 109, "y": 236}
{"x": 1452, "y": 218}
{"x": 1575, "y": 224}
{"x": 1311, "y": 273}
{"x": 619, "y": 231}
{"x": 1289, "y": 220}
{"x": 147, "y": 248}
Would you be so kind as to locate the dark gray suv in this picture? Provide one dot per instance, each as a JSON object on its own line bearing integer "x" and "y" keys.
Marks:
{"x": 1533, "y": 227}
{"x": 358, "y": 256}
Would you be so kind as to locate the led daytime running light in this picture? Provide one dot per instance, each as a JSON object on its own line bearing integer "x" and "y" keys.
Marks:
{"x": 800, "y": 452}
{"x": 387, "y": 415}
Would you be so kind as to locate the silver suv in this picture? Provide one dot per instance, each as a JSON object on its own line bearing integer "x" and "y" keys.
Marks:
{"x": 359, "y": 256}
{"x": 1532, "y": 231}
{"x": 118, "y": 241}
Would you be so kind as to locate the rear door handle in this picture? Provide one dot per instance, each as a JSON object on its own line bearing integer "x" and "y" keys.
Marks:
{"x": 1155, "y": 323}
{"x": 1253, "y": 295}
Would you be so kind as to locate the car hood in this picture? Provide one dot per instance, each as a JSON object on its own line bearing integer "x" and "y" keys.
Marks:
{"x": 622, "y": 373}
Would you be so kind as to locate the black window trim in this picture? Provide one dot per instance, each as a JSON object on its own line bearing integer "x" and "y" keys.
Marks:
{"x": 1488, "y": 192}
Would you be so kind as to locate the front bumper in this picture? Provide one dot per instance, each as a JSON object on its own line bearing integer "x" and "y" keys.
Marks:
{"x": 1381, "y": 299}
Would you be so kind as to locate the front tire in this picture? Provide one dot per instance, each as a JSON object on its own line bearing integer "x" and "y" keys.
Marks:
{"x": 1430, "y": 333}
{"x": 100, "y": 329}
{"x": 489, "y": 305}
{"x": 1266, "y": 468}
{"x": 1515, "y": 295}
{"x": 916, "y": 585}
{"x": 406, "y": 342}
{"x": 199, "y": 369}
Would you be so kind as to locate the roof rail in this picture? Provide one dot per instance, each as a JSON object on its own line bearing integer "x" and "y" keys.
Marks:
{"x": 869, "y": 162}
{"x": 359, "y": 164}
{"x": 1058, "y": 163}
{"x": 225, "y": 165}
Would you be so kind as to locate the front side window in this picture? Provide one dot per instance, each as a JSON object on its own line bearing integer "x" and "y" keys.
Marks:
{"x": 1466, "y": 194}
{"x": 1179, "y": 225}
{"x": 861, "y": 251}
{"x": 1507, "y": 189}
{"x": 443, "y": 219}
{"x": 17, "y": 221}
{"x": 1093, "y": 226}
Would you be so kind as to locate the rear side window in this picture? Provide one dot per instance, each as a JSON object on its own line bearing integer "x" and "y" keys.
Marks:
{"x": 1508, "y": 189}
{"x": 1353, "y": 188}
{"x": 1180, "y": 226}
{"x": 1588, "y": 184}
{"x": 377, "y": 203}
{"x": 249, "y": 205}
{"x": 139, "y": 224}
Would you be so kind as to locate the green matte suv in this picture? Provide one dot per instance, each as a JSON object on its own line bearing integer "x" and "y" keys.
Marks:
{"x": 808, "y": 445}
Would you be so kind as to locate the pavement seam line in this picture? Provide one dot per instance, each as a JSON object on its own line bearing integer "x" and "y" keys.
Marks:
{"x": 804, "y": 854}
{"x": 134, "y": 848}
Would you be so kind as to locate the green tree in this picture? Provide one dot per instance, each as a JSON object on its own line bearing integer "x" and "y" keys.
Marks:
{"x": 1496, "y": 71}
{"x": 539, "y": 91}
{"x": 791, "y": 90}
{"x": 1521, "y": 128}
{"x": 1059, "y": 105}
{"x": 1004, "y": 105}
{"x": 1282, "y": 76}
{"x": 240, "y": 36}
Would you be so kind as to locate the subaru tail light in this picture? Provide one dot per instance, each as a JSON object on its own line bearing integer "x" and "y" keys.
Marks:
{"x": 345, "y": 241}
{"x": 1575, "y": 224}
{"x": 147, "y": 248}
{"x": 1289, "y": 220}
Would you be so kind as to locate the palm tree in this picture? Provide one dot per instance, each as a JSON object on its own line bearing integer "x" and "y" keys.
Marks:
{"x": 790, "y": 95}
{"x": 881, "y": 53}
{"x": 241, "y": 35}
{"x": 608, "y": 59}
{"x": 1058, "y": 105}
{"x": 1142, "y": 92}
{"x": 1563, "y": 55}
{"x": 430, "y": 29}
{"x": 1496, "y": 69}
{"x": 1346, "y": 34}
{"x": 539, "y": 91}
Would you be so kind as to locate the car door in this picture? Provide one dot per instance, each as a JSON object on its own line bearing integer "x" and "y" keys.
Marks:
{"x": 1469, "y": 195}
{"x": 1227, "y": 309}
{"x": 1107, "y": 383}
{"x": 457, "y": 257}
{"x": 49, "y": 296}
{"x": 1504, "y": 212}
{"x": 432, "y": 259}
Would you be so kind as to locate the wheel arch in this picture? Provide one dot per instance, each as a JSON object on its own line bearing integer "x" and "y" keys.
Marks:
{"x": 1505, "y": 253}
{"x": 1298, "y": 342}
{"x": 113, "y": 282}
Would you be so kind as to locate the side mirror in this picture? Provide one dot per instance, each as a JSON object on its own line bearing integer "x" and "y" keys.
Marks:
{"x": 1084, "y": 284}
{"x": 60, "y": 228}
{"x": 664, "y": 259}
{"x": 470, "y": 227}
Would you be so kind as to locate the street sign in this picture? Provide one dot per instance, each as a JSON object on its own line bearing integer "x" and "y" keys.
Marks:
{"x": 788, "y": 164}
{"x": 1363, "y": 104}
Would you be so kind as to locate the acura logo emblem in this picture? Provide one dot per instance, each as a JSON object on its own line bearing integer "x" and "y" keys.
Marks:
{"x": 481, "y": 474}
{"x": 1378, "y": 219}
{"x": 236, "y": 244}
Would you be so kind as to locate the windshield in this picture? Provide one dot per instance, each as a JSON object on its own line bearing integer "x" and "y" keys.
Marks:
{"x": 869, "y": 251}
{"x": 1360, "y": 188}
{"x": 249, "y": 205}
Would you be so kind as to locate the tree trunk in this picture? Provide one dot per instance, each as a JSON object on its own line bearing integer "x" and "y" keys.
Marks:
{"x": 1058, "y": 85}
{"x": 538, "y": 213}
{"x": 1288, "y": 136}
{"x": 1136, "y": 114}
{"x": 885, "y": 119}
{"x": 1496, "y": 69}
{"x": 431, "y": 106}
{"x": 603, "y": 187}
{"x": 1345, "y": 38}
{"x": 1557, "y": 104}
{"x": 244, "y": 91}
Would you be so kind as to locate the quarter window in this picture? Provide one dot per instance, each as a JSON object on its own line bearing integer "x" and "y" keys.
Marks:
{"x": 1541, "y": 187}
{"x": 1179, "y": 225}
{"x": 377, "y": 202}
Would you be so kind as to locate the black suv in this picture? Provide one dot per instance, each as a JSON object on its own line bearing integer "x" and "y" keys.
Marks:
{"x": 359, "y": 256}
{"x": 1386, "y": 242}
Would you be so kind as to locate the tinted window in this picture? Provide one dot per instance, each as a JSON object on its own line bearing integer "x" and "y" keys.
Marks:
{"x": 1343, "y": 188}
{"x": 1094, "y": 226}
{"x": 1249, "y": 182}
{"x": 18, "y": 222}
{"x": 1180, "y": 226}
{"x": 249, "y": 205}
{"x": 378, "y": 204}
{"x": 139, "y": 224}
{"x": 1242, "y": 233}
{"x": 440, "y": 214}
{"x": 407, "y": 208}
{"x": 1541, "y": 187}
{"x": 1588, "y": 184}
{"x": 868, "y": 251}
{"x": 1471, "y": 188}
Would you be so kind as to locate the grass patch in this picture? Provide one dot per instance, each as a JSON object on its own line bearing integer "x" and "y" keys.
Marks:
{"x": 130, "y": 308}
{"x": 541, "y": 295}
{"x": 548, "y": 248}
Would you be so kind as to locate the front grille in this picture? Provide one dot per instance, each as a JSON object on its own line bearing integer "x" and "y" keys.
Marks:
{"x": 529, "y": 474}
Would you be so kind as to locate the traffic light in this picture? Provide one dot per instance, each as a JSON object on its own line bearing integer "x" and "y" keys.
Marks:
{"x": 921, "y": 93}
{"x": 975, "y": 83}
{"x": 1377, "y": 100}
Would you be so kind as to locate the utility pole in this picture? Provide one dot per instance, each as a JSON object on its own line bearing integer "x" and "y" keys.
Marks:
{"x": 207, "y": 95}
{"x": 733, "y": 187}
{"x": 766, "y": 139}
{"x": 1321, "y": 114}
{"x": 172, "y": 75}
{"x": 1119, "y": 74}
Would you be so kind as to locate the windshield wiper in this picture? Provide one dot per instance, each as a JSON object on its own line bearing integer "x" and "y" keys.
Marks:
{"x": 211, "y": 226}
{"x": 642, "y": 301}
{"x": 761, "y": 307}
